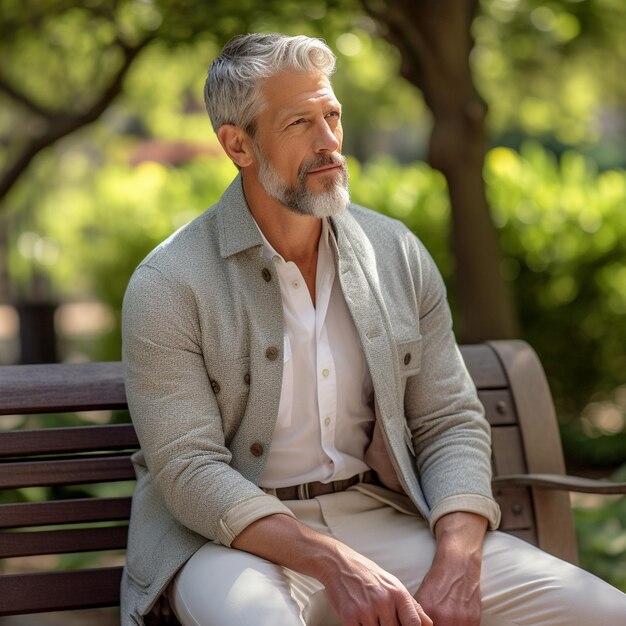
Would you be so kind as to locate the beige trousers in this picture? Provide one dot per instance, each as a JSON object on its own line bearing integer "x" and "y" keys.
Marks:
{"x": 520, "y": 584}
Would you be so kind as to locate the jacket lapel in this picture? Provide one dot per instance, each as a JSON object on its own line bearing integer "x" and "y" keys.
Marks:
{"x": 358, "y": 276}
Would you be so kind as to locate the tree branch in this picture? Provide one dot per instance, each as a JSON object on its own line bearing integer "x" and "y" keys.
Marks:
{"x": 62, "y": 126}
{"x": 24, "y": 100}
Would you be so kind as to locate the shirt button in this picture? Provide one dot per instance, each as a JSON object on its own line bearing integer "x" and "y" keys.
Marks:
{"x": 272, "y": 353}
{"x": 325, "y": 373}
{"x": 407, "y": 358}
{"x": 246, "y": 379}
{"x": 256, "y": 449}
{"x": 267, "y": 276}
{"x": 326, "y": 421}
{"x": 295, "y": 284}
{"x": 276, "y": 258}
{"x": 215, "y": 386}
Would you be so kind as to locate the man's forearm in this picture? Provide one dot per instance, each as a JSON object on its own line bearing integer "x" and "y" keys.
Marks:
{"x": 286, "y": 541}
{"x": 358, "y": 590}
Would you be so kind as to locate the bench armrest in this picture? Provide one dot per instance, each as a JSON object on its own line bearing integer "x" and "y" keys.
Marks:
{"x": 560, "y": 482}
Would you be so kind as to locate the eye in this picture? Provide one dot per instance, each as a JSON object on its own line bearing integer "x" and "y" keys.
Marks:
{"x": 333, "y": 114}
{"x": 298, "y": 122}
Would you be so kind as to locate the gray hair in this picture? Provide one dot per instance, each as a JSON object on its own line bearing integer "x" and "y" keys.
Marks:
{"x": 232, "y": 93}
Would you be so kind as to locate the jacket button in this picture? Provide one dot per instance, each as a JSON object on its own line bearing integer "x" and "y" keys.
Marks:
{"x": 246, "y": 379}
{"x": 267, "y": 276}
{"x": 215, "y": 386}
{"x": 272, "y": 353}
{"x": 256, "y": 448}
{"x": 407, "y": 358}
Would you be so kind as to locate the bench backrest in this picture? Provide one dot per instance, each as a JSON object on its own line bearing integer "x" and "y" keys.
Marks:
{"x": 510, "y": 383}
{"x": 54, "y": 457}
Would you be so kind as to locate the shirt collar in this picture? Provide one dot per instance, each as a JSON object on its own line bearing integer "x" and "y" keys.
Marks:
{"x": 324, "y": 243}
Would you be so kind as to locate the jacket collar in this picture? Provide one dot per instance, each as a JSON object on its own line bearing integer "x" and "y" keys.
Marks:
{"x": 238, "y": 231}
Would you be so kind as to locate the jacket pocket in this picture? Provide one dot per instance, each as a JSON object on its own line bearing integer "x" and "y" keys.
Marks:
{"x": 410, "y": 356}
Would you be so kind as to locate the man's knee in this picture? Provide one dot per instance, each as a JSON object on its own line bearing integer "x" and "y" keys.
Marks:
{"x": 528, "y": 586}
{"x": 222, "y": 586}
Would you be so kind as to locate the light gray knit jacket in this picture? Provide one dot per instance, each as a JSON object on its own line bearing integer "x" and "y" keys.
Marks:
{"x": 202, "y": 350}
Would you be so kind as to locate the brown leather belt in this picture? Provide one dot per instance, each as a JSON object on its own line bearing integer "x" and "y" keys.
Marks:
{"x": 312, "y": 490}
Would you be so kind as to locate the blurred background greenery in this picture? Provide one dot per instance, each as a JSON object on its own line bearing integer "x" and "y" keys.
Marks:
{"x": 105, "y": 149}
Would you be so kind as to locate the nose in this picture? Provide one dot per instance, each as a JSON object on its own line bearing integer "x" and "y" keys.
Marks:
{"x": 328, "y": 138}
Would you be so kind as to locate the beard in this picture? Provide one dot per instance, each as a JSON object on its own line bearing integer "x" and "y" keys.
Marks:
{"x": 333, "y": 198}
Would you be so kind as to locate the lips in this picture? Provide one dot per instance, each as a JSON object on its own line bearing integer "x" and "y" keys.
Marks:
{"x": 323, "y": 164}
{"x": 327, "y": 168}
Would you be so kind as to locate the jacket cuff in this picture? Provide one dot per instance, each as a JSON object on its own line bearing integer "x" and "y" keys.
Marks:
{"x": 468, "y": 503}
{"x": 243, "y": 514}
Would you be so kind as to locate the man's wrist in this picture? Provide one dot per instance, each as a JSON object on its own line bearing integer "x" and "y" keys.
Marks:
{"x": 460, "y": 535}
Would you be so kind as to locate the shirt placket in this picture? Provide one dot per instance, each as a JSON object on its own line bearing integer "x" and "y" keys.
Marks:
{"x": 326, "y": 372}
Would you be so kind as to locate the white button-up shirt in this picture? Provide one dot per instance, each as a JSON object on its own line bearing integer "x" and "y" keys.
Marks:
{"x": 325, "y": 417}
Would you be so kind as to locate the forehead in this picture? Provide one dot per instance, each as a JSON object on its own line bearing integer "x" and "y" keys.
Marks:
{"x": 290, "y": 91}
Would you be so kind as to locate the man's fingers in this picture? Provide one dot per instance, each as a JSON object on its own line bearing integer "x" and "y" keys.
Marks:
{"x": 425, "y": 620}
{"x": 410, "y": 613}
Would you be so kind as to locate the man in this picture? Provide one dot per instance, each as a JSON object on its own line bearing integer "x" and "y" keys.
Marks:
{"x": 277, "y": 350}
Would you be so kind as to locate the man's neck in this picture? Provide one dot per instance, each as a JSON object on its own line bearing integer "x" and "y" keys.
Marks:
{"x": 295, "y": 237}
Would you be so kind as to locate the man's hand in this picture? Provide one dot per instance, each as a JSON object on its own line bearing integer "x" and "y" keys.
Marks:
{"x": 450, "y": 592}
{"x": 361, "y": 593}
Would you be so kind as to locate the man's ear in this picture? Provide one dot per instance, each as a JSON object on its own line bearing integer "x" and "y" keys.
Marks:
{"x": 236, "y": 144}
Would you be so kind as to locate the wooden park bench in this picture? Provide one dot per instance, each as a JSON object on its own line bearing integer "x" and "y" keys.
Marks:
{"x": 527, "y": 460}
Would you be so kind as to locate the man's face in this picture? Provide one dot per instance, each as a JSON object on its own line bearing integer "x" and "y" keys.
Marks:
{"x": 298, "y": 144}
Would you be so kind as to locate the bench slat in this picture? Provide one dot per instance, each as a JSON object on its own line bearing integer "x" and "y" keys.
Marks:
{"x": 44, "y": 473}
{"x": 484, "y": 366}
{"x": 59, "y": 591}
{"x": 97, "y": 386}
{"x": 61, "y": 387}
{"x": 516, "y": 506}
{"x": 64, "y": 512}
{"x": 508, "y": 450}
{"x": 63, "y": 541}
{"x": 69, "y": 439}
{"x": 499, "y": 406}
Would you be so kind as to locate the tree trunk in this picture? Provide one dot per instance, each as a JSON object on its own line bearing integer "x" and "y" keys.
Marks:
{"x": 434, "y": 40}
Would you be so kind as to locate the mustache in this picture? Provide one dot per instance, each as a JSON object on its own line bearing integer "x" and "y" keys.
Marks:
{"x": 323, "y": 160}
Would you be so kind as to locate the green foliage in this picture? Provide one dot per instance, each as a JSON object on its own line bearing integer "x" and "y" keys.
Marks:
{"x": 548, "y": 67}
{"x": 601, "y": 535}
{"x": 415, "y": 194}
{"x": 106, "y": 230}
{"x": 564, "y": 243}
